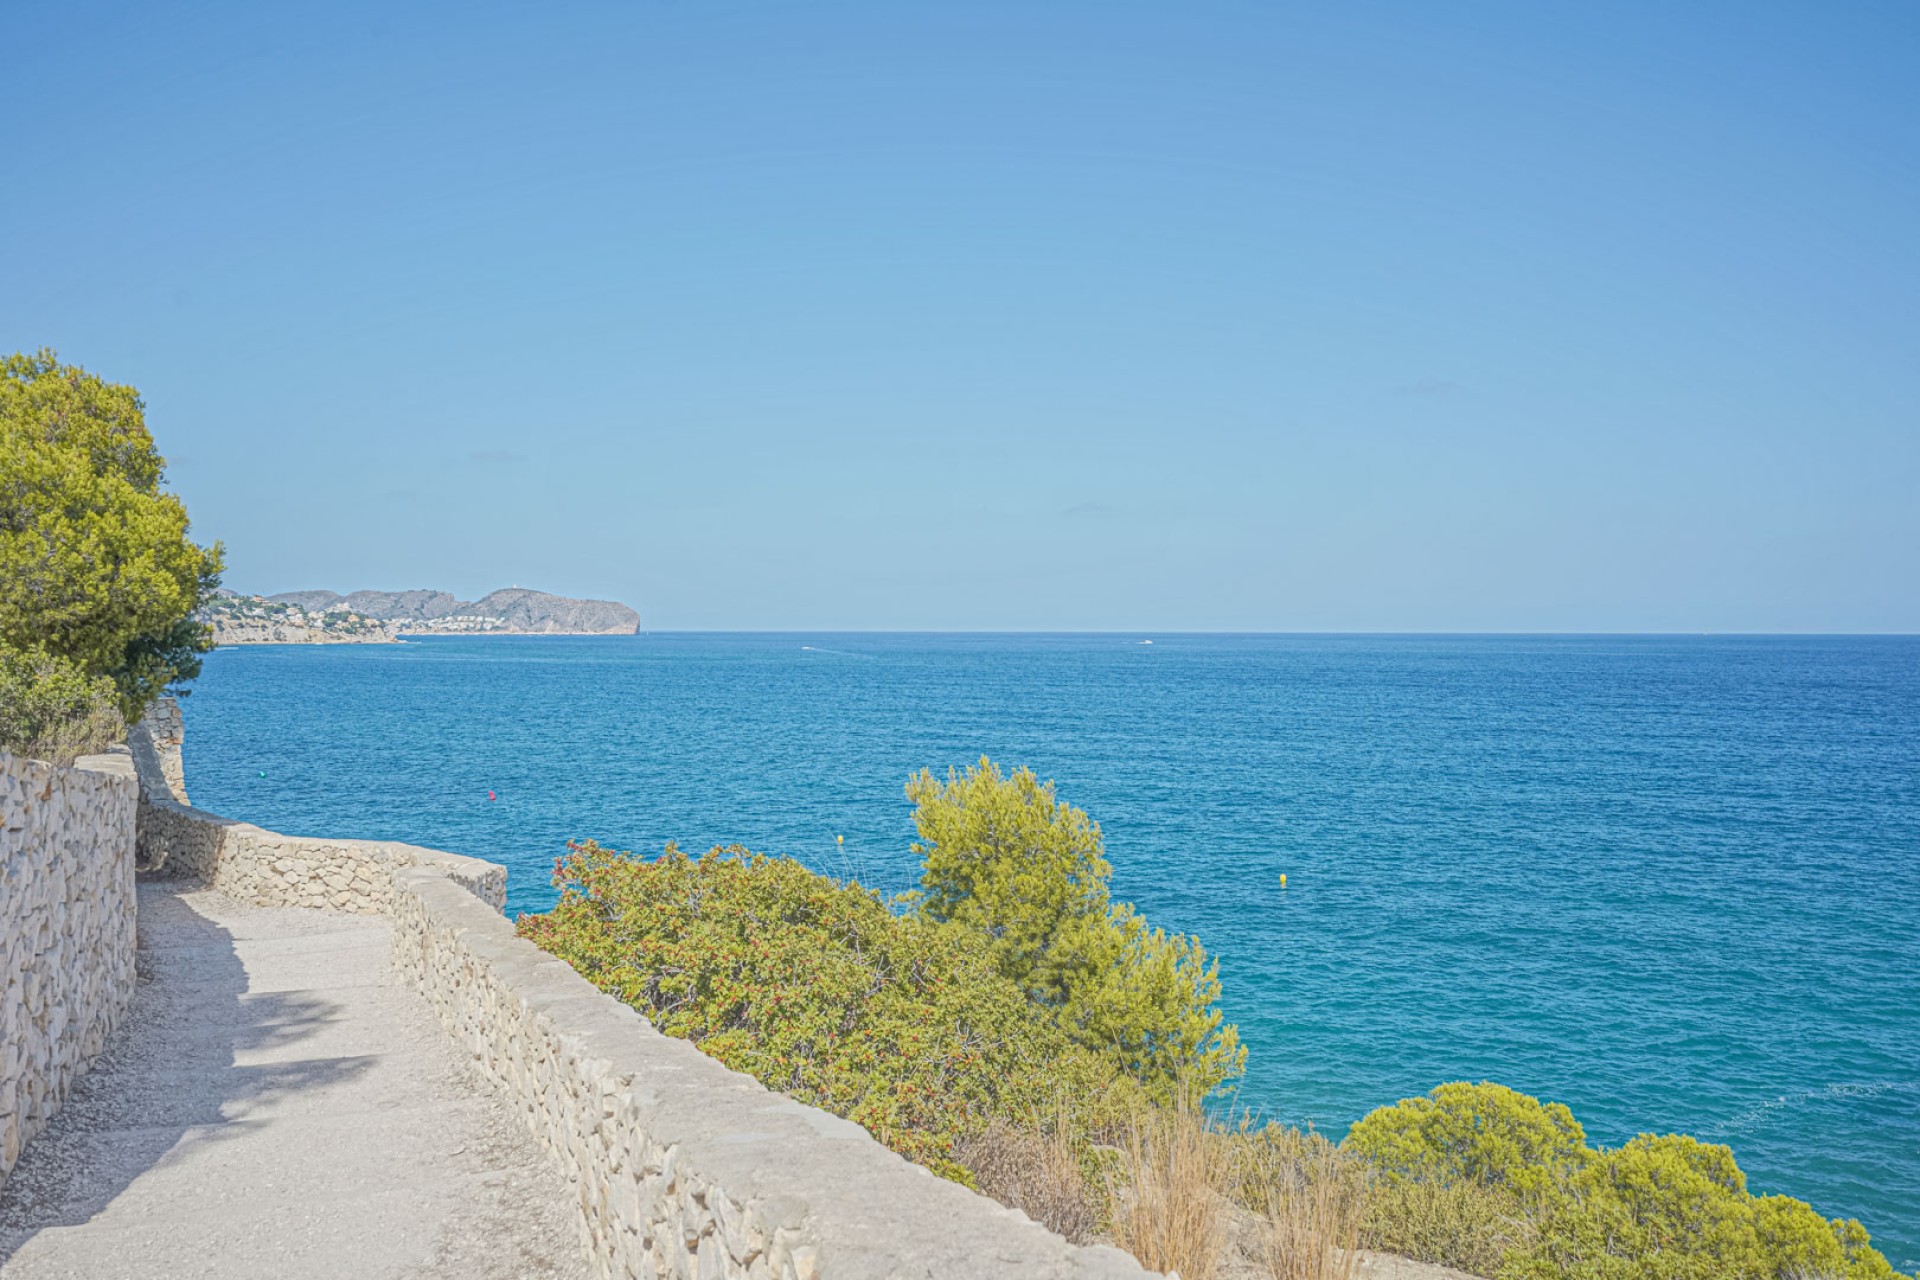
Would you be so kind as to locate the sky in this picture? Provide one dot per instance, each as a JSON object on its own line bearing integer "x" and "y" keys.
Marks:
{"x": 1103, "y": 316}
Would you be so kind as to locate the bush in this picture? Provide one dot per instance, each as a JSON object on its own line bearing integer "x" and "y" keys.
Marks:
{"x": 1481, "y": 1133}
{"x": 96, "y": 569}
{"x": 49, "y": 710}
{"x": 819, "y": 991}
{"x": 1494, "y": 1182}
{"x": 1039, "y": 1169}
{"x": 1026, "y": 873}
{"x": 1671, "y": 1207}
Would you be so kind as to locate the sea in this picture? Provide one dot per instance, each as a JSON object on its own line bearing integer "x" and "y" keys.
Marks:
{"x": 1672, "y": 882}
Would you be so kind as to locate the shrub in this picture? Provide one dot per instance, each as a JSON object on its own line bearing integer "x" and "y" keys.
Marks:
{"x": 1026, "y": 872}
{"x": 1491, "y": 1181}
{"x": 1483, "y": 1133}
{"x": 1671, "y": 1207}
{"x": 818, "y": 990}
{"x": 1038, "y": 1169}
{"x": 49, "y": 710}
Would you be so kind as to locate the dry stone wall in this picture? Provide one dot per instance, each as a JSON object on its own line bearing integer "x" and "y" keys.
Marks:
{"x": 155, "y": 747}
{"x": 273, "y": 870}
{"x": 264, "y": 867}
{"x": 683, "y": 1167}
{"x": 67, "y": 907}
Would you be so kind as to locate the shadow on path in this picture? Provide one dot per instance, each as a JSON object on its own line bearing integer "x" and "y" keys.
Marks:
{"x": 169, "y": 1083}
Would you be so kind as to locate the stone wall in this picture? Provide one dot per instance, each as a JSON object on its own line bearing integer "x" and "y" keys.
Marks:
{"x": 683, "y": 1167}
{"x": 67, "y": 908}
{"x": 264, "y": 867}
{"x": 155, "y": 747}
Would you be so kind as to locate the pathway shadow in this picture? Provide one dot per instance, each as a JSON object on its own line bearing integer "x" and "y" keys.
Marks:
{"x": 168, "y": 1082}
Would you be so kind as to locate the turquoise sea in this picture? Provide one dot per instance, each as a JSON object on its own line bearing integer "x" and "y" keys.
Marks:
{"x": 1672, "y": 882}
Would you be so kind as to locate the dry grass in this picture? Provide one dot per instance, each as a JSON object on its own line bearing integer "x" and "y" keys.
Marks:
{"x": 1035, "y": 1172}
{"x": 1463, "y": 1225}
{"x": 1171, "y": 1180}
{"x": 1309, "y": 1200}
{"x": 1168, "y": 1201}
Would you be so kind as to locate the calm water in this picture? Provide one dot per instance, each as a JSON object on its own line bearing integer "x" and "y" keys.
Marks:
{"x": 1672, "y": 882}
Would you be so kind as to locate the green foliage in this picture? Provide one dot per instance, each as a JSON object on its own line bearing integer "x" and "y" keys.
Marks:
{"x": 50, "y": 710}
{"x": 818, "y": 990}
{"x": 1007, "y": 861}
{"x": 96, "y": 569}
{"x": 1471, "y": 1161}
{"x": 1673, "y": 1208}
{"x": 1484, "y": 1133}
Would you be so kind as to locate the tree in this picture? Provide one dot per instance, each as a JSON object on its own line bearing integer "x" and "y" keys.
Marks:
{"x": 1006, "y": 859}
{"x": 97, "y": 574}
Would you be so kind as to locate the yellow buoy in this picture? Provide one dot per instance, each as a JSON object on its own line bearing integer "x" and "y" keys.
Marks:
{"x": 1283, "y": 879}
{"x": 843, "y": 840}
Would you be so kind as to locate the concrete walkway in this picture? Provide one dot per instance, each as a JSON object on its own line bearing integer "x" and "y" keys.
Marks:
{"x": 276, "y": 1106}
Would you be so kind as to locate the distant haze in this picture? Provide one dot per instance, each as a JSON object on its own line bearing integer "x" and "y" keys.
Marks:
{"x": 517, "y": 607}
{"x": 1003, "y": 316}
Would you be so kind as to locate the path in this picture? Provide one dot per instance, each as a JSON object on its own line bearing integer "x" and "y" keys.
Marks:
{"x": 277, "y": 1106}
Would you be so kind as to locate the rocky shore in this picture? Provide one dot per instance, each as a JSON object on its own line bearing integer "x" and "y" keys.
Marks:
{"x": 228, "y": 631}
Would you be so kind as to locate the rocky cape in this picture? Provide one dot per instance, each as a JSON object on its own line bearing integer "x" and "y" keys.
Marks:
{"x": 383, "y": 617}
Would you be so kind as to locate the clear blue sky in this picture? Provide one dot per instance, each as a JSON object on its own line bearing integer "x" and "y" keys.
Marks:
{"x": 1107, "y": 315}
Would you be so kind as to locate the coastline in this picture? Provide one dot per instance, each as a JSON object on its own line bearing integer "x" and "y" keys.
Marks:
{"x": 221, "y": 641}
{"x": 398, "y": 637}
{"x": 387, "y": 617}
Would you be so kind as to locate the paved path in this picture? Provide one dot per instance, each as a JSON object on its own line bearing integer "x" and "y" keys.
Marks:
{"x": 277, "y": 1107}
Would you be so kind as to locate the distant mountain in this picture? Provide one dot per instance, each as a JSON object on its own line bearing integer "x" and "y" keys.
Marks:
{"x": 526, "y": 610}
{"x": 327, "y": 617}
{"x": 310, "y": 600}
